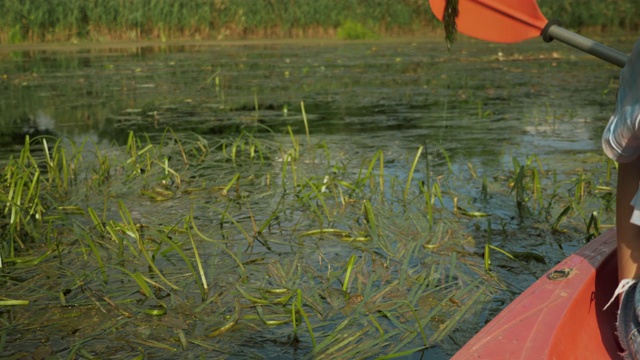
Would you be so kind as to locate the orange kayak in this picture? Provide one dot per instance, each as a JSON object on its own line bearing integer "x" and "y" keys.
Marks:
{"x": 561, "y": 316}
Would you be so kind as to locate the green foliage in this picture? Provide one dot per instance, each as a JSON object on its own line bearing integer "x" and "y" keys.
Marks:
{"x": 353, "y": 30}
{"x": 605, "y": 15}
{"x": 28, "y": 189}
{"x": 64, "y": 20}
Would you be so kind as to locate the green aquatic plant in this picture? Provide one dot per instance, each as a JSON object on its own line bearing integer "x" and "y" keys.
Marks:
{"x": 345, "y": 256}
{"x": 27, "y": 191}
{"x": 411, "y": 172}
{"x": 354, "y": 30}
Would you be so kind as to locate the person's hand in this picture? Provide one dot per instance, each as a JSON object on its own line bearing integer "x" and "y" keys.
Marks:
{"x": 621, "y": 138}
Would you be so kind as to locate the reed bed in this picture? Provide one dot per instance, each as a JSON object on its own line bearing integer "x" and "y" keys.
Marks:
{"x": 263, "y": 246}
{"x": 76, "y": 20}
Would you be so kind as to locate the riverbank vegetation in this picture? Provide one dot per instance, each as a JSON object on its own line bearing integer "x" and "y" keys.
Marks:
{"x": 79, "y": 20}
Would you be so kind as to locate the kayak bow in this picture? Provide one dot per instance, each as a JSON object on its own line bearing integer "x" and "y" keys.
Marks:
{"x": 561, "y": 316}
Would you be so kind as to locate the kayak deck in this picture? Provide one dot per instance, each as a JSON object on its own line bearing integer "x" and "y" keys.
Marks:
{"x": 561, "y": 315}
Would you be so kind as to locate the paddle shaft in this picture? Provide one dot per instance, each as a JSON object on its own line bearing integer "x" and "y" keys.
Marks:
{"x": 554, "y": 31}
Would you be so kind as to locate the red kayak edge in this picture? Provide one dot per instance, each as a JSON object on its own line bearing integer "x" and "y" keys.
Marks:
{"x": 561, "y": 315}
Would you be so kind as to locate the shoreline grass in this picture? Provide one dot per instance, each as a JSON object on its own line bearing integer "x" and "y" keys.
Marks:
{"x": 78, "y": 20}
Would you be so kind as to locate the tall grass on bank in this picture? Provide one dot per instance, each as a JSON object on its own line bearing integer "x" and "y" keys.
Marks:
{"x": 597, "y": 15}
{"x": 64, "y": 20}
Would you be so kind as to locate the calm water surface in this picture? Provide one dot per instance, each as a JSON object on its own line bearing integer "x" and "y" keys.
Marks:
{"x": 478, "y": 102}
{"x": 483, "y": 104}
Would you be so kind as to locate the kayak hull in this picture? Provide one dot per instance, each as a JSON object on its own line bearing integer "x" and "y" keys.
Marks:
{"x": 561, "y": 315}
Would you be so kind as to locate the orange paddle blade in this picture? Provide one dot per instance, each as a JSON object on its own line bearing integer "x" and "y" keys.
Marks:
{"x": 503, "y": 21}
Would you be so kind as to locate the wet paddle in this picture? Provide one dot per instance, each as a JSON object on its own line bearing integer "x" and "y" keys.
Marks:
{"x": 512, "y": 21}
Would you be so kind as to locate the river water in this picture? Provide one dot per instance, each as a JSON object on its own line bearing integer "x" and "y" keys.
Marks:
{"x": 474, "y": 108}
{"x": 477, "y": 101}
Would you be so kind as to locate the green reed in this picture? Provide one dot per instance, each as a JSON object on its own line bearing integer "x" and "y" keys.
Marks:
{"x": 27, "y": 191}
{"x": 411, "y": 172}
{"x": 603, "y": 15}
{"x": 526, "y": 185}
{"x": 64, "y": 20}
{"x": 58, "y": 20}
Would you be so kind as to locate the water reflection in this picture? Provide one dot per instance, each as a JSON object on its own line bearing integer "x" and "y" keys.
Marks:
{"x": 472, "y": 102}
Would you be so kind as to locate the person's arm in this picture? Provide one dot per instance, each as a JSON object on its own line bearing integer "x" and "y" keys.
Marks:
{"x": 621, "y": 142}
{"x": 628, "y": 233}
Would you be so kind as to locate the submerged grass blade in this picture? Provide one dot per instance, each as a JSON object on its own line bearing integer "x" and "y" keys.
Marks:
{"x": 306, "y": 123}
{"x": 411, "y": 172}
{"x": 225, "y": 214}
{"x": 347, "y": 275}
{"x": 370, "y": 217}
{"x": 94, "y": 249}
{"x": 131, "y": 230}
{"x": 305, "y": 317}
{"x": 224, "y": 248}
{"x": 14, "y": 302}
{"x": 139, "y": 279}
{"x": 228, "y": 325}
{"x": 402, "y": 354}
{"x": 203, "y": 278}
{"x": 233, "y": 181}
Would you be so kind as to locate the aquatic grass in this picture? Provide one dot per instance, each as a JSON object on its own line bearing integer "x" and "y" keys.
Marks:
{"x": 129, "y": 227}
{"x": 430, "y": 196}
{"x": 347, "y": 275}
{"x": 332, "y": 336}
{"x": 295, "y": 153}
{"x": 487, "y": 255}
{"x": 348, "y": 262}
{"x": 289, "y": 162}
{"x": 230, "y": 184}
{"x": 274, "y": 215}
{"x": 306, "y": 122}
{"x": 61, "y": 171}
{"x": 140, "y": 280}
{"x": 203, "y": 278}
{"x": 526, "y": 186}
{"x": 94, "y": 249}
{"x": 414, "y": 164}
{"x": 300, "y": 310}
{"x": 244, "y": 144}
{"x": 231, "y": 322}
{"x": 133, "y": 143}
{"x": 224, "y": 214}
{"x": 218, "y": 243}
{"x": 592, "y": 226}
{"x": 477, "y": 293}
{"x": 164, "y": 238}
{"x": 370, "y": 218}
{"x": 22, "y": 190}
{"x": 164, "y": 164}
{"x": 9, "y": 302}
{"x": 322, "y": 211}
